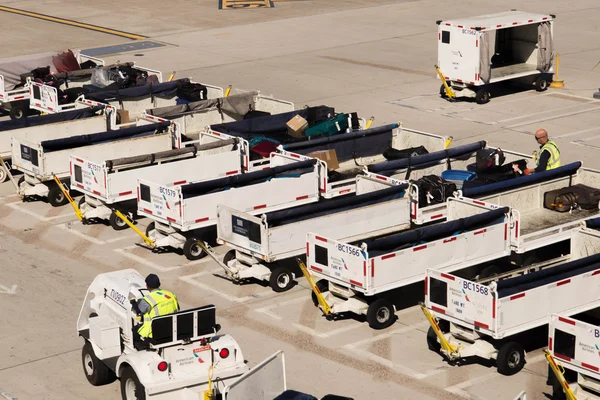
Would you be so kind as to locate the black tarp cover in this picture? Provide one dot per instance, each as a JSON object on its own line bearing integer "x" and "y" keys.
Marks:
{"x": 102, "y": 137}
{"x": 593, "y": 223}
{"x": 271, "y": 126}
{"x": 216, "y": 185}
{"x": 524, "y": 180}
{"x": 347, "y": 146}
{"x": 397, "y": 241}
{"x": 509, "y": 287}
{"x": 165, "y": 89}
{"x": 335, "y": 205}
{"x": 38, "y": 120}
{"x": 388, "y": 168}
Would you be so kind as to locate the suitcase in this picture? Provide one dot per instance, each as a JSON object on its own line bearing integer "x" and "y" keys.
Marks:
{"x": 576, "y": 196}
{"x": 331, "y": 127}
{"x": 395, "y": 154}
{"x": 192, "y": 91}
{"x": 434, "y": 190}
{"x": 489, "y": 158}
{"x": 319, "y": 114}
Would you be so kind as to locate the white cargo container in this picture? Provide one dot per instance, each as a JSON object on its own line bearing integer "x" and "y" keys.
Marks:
{"x": 264, "y": 250}
{"x": 491, "y": 320}
{"x": 56, "y": 128}
{"x": 111, "y": 185}
{"x": 41, "y": 161}
{"x": 476, "y": 52}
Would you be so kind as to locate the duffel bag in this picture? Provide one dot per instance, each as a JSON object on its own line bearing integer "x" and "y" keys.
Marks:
{"x": 192, "y": 91}
{"x": 328, "y": 128}
{"x": 434, "y": 190}
{"x": 489, "y": 158}
{"x": 395, "y": 154}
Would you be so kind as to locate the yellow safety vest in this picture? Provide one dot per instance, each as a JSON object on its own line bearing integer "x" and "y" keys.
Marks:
{"x": 554, "y": 160}
{"x": 162, "y": 302}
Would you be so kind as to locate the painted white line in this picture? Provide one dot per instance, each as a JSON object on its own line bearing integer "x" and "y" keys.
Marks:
{"x": 192, "y": 281}
{"x": 574, "y": 133}
{"x": 388, "y": 363}
{"x": 9, "y": 196}
{"x": 82, "y": 235}
{"x": 121, "y": 238}
{"x": 325, "y": 335}
{"x": 376, "y": 338}
{"x": 552, "y": 110}
{"x": 267, "y": 310}
{"x": 142, "y": 260}
{"x": 556, "y": 116}
{"x": 15, "y": 206}
{"x": 459, "y": 389}
{"x": 7, "y": 395}
{"x": 586, "y": 139}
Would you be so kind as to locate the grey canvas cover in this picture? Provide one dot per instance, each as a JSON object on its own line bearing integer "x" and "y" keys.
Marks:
{"x": 484, "y": 57}
{"x": 235, "y": 106}
{"x": 12, "y": 68}
{"x": 545, "y": 47}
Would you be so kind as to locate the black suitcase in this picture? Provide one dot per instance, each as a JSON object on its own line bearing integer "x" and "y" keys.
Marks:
{"x": 489, "y": 158}
{"x": 576, "y": 196}
{"x": 395, "y": 154}
{"x": 319, "y": 114}
{"x": 192, "y": 91}
{"x": 434, "y": 190}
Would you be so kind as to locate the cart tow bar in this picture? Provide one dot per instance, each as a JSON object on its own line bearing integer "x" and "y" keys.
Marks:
{"x": 559, "y": 372}
{"x": 449, "y": 92}
{"x": 65, "y": 191}
{"x": 148, "y": 241}
{"x": 10, "y": 176}
{"x": 326, "y": 308}
{"x": 211, "y": 252}
{"x": 450, "y": 350}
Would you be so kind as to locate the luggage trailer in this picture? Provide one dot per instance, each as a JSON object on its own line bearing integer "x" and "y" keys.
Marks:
{"x": 42, "y": 161}
{"x": 88, "y": 116}
{"x": 490, "y": 320}
{"x": 263, "y": 246}
{"x": 573, "y": 347}
{"x": 16, "y": 100}
{"x": 186, "y": 214}
{"x": 111, "y": 185}
{"x": 354, "y": 277}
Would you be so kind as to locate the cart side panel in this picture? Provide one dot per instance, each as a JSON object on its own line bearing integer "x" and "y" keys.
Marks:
{"x": 160, "y": 202}
{"x": 471, "y": 303}
{"x": 458, "y": 52}
{"x": 575, "y": 344}
{"x": 88, "y": 177}
{"x": 242, "y": 230}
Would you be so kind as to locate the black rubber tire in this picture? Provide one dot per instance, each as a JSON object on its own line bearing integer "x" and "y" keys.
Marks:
{"x": 432, "y": 341}
{"x": 323, "y": 287}
{"x": 380, "y": 314}
{"x": 443, "y": 92}
{"x": 230, "y": 255}
{"x": 511, "y": 358}
{"x": 150, "y": 227}
{"x": 482, "y": 96}
{"x": 117, "y": 223}
{"x": 3, "y": 174}
{"x": 191, "y": 250}
{"x": 20, "y": 181}
{"x": 56, "y": 197}
{"x": 127, "y": 376}
{"x": 100, "y": 373}
{"x": 490, "y": 271}
{"x": 541, "y": 84}
{"x": 281, "y": 279}
{"x": 17, "y": 113}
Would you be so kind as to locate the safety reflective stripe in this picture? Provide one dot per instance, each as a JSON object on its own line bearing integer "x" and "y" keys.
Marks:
{"x": 554, "y": 159}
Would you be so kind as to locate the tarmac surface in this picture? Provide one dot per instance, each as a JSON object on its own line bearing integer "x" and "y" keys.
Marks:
{"x": 374, "y": 57}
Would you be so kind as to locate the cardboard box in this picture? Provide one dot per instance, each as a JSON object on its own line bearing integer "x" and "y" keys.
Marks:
{"x": 296, "y": 126}
{"x": 329, "y": 156}
{"x": 123, "y": 116}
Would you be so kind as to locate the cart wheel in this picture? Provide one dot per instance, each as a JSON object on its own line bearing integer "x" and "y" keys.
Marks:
{"x": 541, "y": 84}
{"x": 131, "y": 388}
{"x": 20, "y": 181}
{"x": 281, "y": 279}
{"x": 17, "y": 113}
{"x": 192, "y": 250}
{"x": 511, "y": 358}
{"x": 96, "y": 372}
{"x": 230, "y": 255}
{"x": 380, "y": 314}
{"x": 150, "y": 228}
{"x": 56, "y": 197}
{"x": 117, "y": 223}
{"x": 323, "y": 287}
{"x": 443, "y": 92}
{"x": 489, "y": 272}
{"x": 3, "y": 174}
{"x": 482, "y": 96}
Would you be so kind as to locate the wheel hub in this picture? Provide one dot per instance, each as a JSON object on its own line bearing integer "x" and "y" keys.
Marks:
{"x": 514, "y": 359}
{"x": 383, "y": 314}
{"x": 195, "y": 250}
{"x": 130, "y": 389}
{"x": 89, "y": 364}
{"x": 283, "y": 280}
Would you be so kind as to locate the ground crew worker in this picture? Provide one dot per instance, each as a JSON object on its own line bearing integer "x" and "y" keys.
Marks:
{"x": 157, "y": 303}
{"x": 549, "y": 155}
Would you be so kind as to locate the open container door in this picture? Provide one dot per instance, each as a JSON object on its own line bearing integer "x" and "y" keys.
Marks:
{"x": 545, "y": 47}
{"x": 265, "y": 381}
